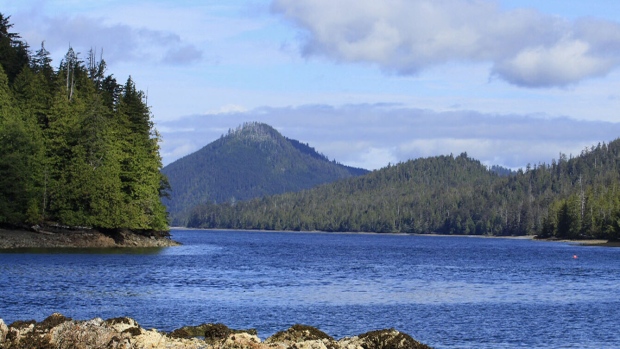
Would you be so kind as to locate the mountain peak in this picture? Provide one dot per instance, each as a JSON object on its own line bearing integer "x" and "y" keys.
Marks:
{"x": 252, "y": 160}
{"x": 255, "y": 131}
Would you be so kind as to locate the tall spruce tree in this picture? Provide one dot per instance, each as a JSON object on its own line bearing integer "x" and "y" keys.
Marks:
{"x": 77, "y": 148}
{"x": 13, "y": 52}
{"x": 20, "y": 163}
{"x": 141, "y": 178}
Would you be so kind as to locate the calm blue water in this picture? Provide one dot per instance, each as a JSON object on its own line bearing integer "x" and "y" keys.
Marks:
{"x": 448, "y": 292}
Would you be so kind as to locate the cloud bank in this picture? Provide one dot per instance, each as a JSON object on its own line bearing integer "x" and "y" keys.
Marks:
{"x": 523, "y": 47}
{"x": 371, "y": 136}
{"x": 119, "y": 42}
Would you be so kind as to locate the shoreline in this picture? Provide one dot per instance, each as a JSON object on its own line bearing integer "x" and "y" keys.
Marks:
{"x": 14, "y": 239}
{"x": 585, "y": 242}
{"x": 589, "y": 242}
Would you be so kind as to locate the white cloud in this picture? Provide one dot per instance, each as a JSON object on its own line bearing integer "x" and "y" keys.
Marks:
{"x": 525, "y": 47}
{"x": 228, "y": 109}
{"x": 564, "y": 63}
{"x": 182, "y": 55}
{"x": 119, "y": 42}
{"x": 373, "y": 158}
{"x": 179, "y": 150}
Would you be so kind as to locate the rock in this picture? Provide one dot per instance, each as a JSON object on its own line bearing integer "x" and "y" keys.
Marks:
{"x": 124, "y": 324}
{"x": 304, "y": 337}
{"x": 382, "y": 339}
{"x": 53, "y": 321}
{"x": 156, "y": 340}
{"x": 4, "y": 330}
{"x": 216, "y": 332}
{"x": 298, "y": 333}
{"x": 17, "y": 330}
{"x": 83, "y": 334}
{"x": 242, "y": 341}
{"x": 211, "y": 332}
{"x": 60, "y": 332}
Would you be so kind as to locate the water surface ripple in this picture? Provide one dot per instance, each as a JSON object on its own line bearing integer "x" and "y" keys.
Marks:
{"x": 449, "y": 292}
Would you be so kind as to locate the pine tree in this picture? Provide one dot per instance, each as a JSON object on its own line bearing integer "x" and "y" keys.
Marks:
{"x": 142, "y": 181}
{"x": 20, "y": 169}
{"x": 78, "y": 148}
{"x": 13, "y": 52}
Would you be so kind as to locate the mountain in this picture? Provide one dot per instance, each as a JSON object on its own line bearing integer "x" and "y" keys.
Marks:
{"x": 251, "y": 161}
{"x": 573, "y": 197}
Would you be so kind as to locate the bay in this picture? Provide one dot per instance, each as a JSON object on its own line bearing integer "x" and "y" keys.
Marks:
{"x": 448, "y": 292}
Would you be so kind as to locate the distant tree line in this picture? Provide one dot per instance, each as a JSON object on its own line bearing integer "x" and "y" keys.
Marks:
{"x": 76, "y": 147}
{"x": 570, "y": 198}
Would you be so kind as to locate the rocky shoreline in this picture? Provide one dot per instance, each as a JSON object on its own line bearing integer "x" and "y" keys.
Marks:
{"x": 58, "y": 331}
{"x": 63, "y": 237}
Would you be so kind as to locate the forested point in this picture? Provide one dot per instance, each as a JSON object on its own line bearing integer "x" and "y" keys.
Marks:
{"x": 572, "y": 198}
{"x": 78, "y": 148}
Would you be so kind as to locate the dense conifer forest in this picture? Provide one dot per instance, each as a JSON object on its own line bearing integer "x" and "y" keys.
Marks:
{"x": 78, "y": 148}
{"x": 573, "y": 197}
{"x": 253, "y": 160}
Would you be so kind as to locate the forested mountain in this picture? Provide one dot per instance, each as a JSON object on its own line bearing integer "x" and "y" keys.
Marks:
{"x": 77, "y": 148}
{"x": 571, "y": 198}
{"x": 251, "y": 161}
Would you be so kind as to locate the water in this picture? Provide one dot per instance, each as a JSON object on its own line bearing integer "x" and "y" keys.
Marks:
{"x": 448, "y": 292}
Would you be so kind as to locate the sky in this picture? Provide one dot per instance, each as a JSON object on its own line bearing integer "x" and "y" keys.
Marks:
{"x": 367, "y": 83}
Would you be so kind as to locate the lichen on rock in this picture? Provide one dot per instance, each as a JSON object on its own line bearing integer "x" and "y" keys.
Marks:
{"x": 303, "y": 336}
{"x": 212, "y": 333}
{"x": 383, "y": 339}
{"x": 4, "y": 330}
{"x": 60, "y": 332}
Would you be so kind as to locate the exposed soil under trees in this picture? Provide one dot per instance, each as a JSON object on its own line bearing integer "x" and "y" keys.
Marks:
{"x": 64, "y": 237}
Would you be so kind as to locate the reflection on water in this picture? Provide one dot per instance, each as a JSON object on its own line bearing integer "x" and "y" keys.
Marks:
{"x": 448, "y": 292}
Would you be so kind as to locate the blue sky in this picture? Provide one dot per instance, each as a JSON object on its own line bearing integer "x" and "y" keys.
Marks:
{"x": 365, "y": 82}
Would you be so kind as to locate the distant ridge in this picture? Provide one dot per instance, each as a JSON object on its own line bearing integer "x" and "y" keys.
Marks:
{"x": 571, "y": 198}
{"x": 253, "y": 160}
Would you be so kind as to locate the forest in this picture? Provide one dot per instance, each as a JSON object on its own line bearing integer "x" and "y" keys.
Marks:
{"x": 78, "y": 148}
{"x": 573, "y": 197}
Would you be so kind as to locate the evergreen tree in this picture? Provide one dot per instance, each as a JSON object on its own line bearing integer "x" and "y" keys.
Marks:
{"x": 142, "y": 181}
{"x": 42, "y": 63}
{"x": 21, "y": 150}
{"x": 13, "y": 52}
{"x": 78, "y": 149}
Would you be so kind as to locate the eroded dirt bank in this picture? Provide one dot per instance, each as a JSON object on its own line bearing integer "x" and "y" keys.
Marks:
{"x": 50, "y": 237}
{"x": 58, "y": 331}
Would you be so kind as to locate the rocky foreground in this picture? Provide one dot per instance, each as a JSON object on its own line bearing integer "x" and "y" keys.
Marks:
{"x": 60, "y": 332}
